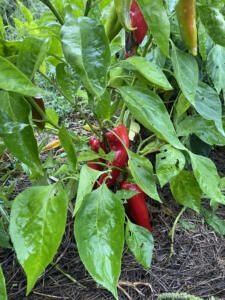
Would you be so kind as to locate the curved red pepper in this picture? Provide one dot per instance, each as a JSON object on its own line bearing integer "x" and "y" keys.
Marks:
{"x": 95, "y": 145}
{"x": 137, "y": 207}
{"x": 121, "y": 158}
{"x": 138, "y": 21}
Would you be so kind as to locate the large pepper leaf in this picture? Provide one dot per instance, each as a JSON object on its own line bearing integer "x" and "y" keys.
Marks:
{"x": 86, "y": 49}
{"x": 148, "y": 70}
{"x": 141, "y": 243}
{"x": 31, "y": 55}
{"x": 13, "y": 80}
{"x": 186, "y": 73}
{"x": 158, "y": 22}
{"x": 214, "y": 22}
{"x": 151, "y": 112}
{"x": 3, "y": 293}
{"x": 7, "y": 126}
{"x": 99, "y": 233}
{"x": 22, "y": 144}
{"x": 37, "y": 224}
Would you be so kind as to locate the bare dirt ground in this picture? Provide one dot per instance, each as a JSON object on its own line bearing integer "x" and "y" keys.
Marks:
{"x": 197, "y": 268}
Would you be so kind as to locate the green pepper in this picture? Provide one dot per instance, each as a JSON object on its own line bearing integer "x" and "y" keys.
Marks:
{"x": 186, "y": 15}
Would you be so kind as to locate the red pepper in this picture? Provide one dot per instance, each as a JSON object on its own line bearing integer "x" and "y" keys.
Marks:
{"x": 95, "y": 145}
{"x": 36, "y": 115}
{"x": 134, "y": 38}
{"x": 138, "y": 21}
{"x": 137, "y": 207}
{"x": 121, "y": 158}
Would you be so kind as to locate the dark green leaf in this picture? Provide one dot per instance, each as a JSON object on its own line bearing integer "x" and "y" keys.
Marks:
{"x": 86, "y": 48}
{"x": 142, "y": 171}
{"x": 158, "y": 22}
{"x": 186, "y": 73}
{"x": 214, "y": 221}
{"x": 3, "y": 293}
{"x": 13, "y": 80}
{"x": 186, "y": 191}
{"x": 68, "y": 145}
{"x": 37, "y": 225}
{"x": 169, "y": 163}
{"x": 150, "y": 111}
{"x": 99, "y": 233}
{"x": 141, "y": 243}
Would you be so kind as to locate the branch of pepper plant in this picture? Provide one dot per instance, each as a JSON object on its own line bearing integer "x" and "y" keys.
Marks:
{"x": 68, "y": 99}
{"x": 53, "y": 10}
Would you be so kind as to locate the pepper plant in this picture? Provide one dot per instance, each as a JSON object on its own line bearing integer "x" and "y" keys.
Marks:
{"x": 154, "y": 78}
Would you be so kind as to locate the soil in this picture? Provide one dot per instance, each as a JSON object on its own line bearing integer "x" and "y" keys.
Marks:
{"x": 197, "y": 267}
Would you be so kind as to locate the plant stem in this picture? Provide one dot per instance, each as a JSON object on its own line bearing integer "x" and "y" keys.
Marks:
{"x": 173, "y": 230}
{"x": 68, "y": 276}
{"x": 147, "y": 46}
{"x": 54, "y": 10}
{"x": 71, "y": 102}
{"x": 88, "y": 7}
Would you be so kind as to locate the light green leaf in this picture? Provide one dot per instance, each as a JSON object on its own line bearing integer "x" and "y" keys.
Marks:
{"x": 158, "y": 22}
{"x": 3, "y": 293}
{"x": 141, "y": 243}
{"x": 169, "y": 163}
{"x": 88, "y": 54}
{"x": 214, "y": 23}
{"x": 123, "y": 12}
{"x": 186, "y": 191}
{"x": 68, "y": 145}
{"x": 208, "y": 105}
{"x": 99, "y": 233}
{"x": 186, "y": 72}
{"x": 22, "y": 144}
{"x": 214, "y": 221}
{"x": 197, "y": 125}
{"x": 32, "y": 54}
{"x": 207, "y": 176}
{"x": 7, "y": 126}
{"x": 26, "y": 12}
{"x": 216, "y": 67}
{"x": 87, "y": 181}
{"x": 142, "y": 171}
{"x": 37, "y": 225}
{"x": 13, "y": 80}
{"x": 182, "y": 105}
{"x": 150, "y": 111}
{"x": 148, "y": 70}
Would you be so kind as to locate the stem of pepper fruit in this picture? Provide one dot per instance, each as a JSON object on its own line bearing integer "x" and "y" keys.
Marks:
{"x": 68, "y": 99}
{"x": 54, "y": 10}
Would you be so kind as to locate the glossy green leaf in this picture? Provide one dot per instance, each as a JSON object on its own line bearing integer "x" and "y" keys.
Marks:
{"x": 202, "y": 41}
{"x": 169, "y": 163}
{"x": 214, "y": 221}
{"x": 150, "y": 111}
{"x": 197, "y": 125}
{"x": 32, "y": 54}
{"x": 186, "y": 73}
{"x": 99, "y": 233}
{"x": 186, "y": 191}
{"x": 66, "y": 81}
{"x": 216, "y": 67}
{"x": 37, "y": 225}
{"x": 88, "y": 178}
{"x": 3, "y": 293}
{"x": 148, "y": 70}
{"x": 182, "y": 105}
{"x": 7, "y": 126}
{"x": 21, "y": 144}
{"x": 158, "y": 22}
{"x": 88, "y": 54}
{"x": 68, "y": 145}
{"x": 142, "y": 171}
{"x": 123, "y": 12}
{"x": 13, "y": 80}
{"x": 214, "y": 23}
{"x": 209, "y": 106}
{"x": 141, "y": 243}
{"x": 207, "y": 176}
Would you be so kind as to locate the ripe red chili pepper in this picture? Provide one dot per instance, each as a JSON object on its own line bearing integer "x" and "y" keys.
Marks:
{"x": 137, "y": 207}
{"x": 121, "y": 158}
{"x": 138, "y": 22}
{"x": 95, "y": 145}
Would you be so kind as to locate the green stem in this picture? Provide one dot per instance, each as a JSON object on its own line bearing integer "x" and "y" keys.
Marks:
{"x": 173, "y": 230}
{"x": 87, "y": 7}
{"x": 147, "y": 46}
{"x": 71, "y": 102}
{"x": 68, "y": 276}
{"x": 54, "y": 10}
{"x": 144, "y": 142}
